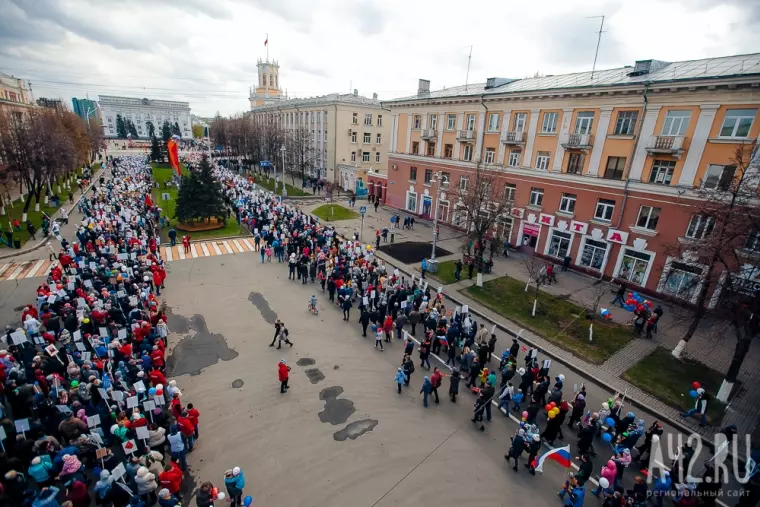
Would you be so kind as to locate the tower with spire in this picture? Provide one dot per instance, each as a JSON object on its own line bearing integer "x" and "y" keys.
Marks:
{"x": 267, "y": 90}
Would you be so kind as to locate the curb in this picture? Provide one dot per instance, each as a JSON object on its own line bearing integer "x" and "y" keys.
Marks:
{"x": 44, "y": 241}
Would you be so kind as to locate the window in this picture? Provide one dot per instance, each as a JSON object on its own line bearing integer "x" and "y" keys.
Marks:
{"x": 431, "y": 149}
{"x": 464, "y": 183}
{"x": 355, "y": 119}
{"x": 542, "y": 160}
{"x": 412, "y": 173}
{"x": 719, "y": 177}
{"x": 682, "y": 280}
{"x": 549, "y": 125}
{"x": 443, "y": 210}
{"x": 676, "y": 123}
{"x": 509, "y": 192}
{"x": 353, "y": 137}
{"x": 662, "y": 171}
{"x": 559, "y": 244}
{"x": 428, "y": 176}
{"x": 470, "y": 122}
{"x": 626, "y": 123}
{"x": 536, "y": 196}
{"x": 634, "y": 266}
{"x": 567, "y": 203}
{"x": 467, "y": 152}
{"x": 700, "y": 226}
{"x": 451, "y": 122}
{"x": 520, "y": 122}
{"x": 353, "y": 156}
{"x": 379, "y": 119}
{"x": 368, "y": 119}
{"x": 648, "y": 217}
{"x": 448, "y": 150}
{"x": 738, "y": 122}
{"x": 415, "y": 147}
{"x": 592, "y": 255}
{"x": 493, "y": 122}
{"x": 583, "y": 122}
{"x": 433, "y": 121}
{"x": 575, "y": 163}
{"x": 604, "y": 209}
{"x": 411, "y": 201}
{"x": 490, "y": 154}
{"x": 417, "y": 122}
{"x": 377, "y": 156}
{"x": 378, "y": 138}
{"x": 367, "y": 138}
{"x": 615, "y": 166}
{"x": 514, "y": 159}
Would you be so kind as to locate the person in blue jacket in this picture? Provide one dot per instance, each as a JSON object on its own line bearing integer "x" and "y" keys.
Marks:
{"x": 427, "y": 388}
{"x": 47, "y": 498}
{"x": 41, "y": 469}
{"x": 235, "y": 482}
{"x": 400, "y": 378}
{"x": 424, "y": 267}
{"x": 661, "y": 488}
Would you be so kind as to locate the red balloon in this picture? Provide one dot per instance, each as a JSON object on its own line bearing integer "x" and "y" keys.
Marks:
{"x": 696, "y": 385}
{"x": 548, "y": 407}
{"x": 160, "y": 392}
{"x": 553, "y": 404}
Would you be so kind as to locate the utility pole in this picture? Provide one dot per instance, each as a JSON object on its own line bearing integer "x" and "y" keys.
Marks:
{"x": 598, "y": 42}
{"x": 467, "y": 77}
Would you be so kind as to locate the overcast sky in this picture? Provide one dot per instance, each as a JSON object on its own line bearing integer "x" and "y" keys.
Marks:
{"x": 205, "y": 51}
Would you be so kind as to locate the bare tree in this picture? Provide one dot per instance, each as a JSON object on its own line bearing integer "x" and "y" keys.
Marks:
{"x": 536, "y": 269}
{"x": 714, "y": 266}
{"x": 597, "y": 291}
{"x": 300, "y": 153}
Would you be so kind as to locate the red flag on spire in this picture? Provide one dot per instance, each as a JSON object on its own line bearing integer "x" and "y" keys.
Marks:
{"x": 266, "y": 41}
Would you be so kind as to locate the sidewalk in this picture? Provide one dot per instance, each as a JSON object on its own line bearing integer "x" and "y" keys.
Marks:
{"x": 744, "y": 409}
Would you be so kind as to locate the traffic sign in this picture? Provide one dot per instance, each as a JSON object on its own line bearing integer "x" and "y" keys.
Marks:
{"x": 362, "y": 209}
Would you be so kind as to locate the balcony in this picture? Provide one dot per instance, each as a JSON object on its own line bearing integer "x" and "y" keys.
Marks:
{"x": 579, "y": 142}
{"x": 516, "y": 137}
{"x": 465, "y": 135}
{"x": 429, "y": 134}
{"x": 669, "y": 145}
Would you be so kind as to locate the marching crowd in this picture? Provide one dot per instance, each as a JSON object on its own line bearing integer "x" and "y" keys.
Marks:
{"x": 394, "y": 308}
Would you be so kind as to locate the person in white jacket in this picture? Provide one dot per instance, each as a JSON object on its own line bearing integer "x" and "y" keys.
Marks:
{"x": 156, "y": 436}
{"x": 146, "y": 485}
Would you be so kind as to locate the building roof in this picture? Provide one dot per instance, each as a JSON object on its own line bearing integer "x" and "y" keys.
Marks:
{"x": 347, "y": 98}
{"x": 659, "y": 72}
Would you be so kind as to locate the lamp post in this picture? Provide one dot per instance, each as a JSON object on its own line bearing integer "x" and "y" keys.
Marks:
{"x": 282, "y": 152}
{"x": 442, "y": 183}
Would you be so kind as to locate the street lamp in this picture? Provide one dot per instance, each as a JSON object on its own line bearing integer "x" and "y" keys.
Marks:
{"x": 282, "y": 152}
{"x": 87, "y": 115}
{"x": 442, "y": 183}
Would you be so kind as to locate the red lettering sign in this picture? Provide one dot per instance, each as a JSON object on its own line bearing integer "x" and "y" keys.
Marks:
{"x": 615, "y": 236}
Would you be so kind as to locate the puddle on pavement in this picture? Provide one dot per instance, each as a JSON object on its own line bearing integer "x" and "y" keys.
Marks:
{"x": 237, "y": 383}
{"x": 305, "y": 361}
{"x": 199, "y": 350}
{"x": 337, "y": 411}
{"x": 177, "y": 323}
{"x": 260, "y": 302}
{"x": 315, "y": 375}
{"x": 336, "y": 367}
{"x": 355, "y": 430}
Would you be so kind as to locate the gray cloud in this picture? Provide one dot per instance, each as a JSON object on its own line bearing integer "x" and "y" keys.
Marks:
{"x": 573, "y": 43}
{"x": 298, "y": 65}
{"x": 16, "y": 27}
{"x": 371, "y": 20}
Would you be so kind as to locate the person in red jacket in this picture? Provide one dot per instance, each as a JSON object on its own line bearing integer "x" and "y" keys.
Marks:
{"x": 171, "y": 478}
{"x": 283, "y": 371}
{"x": 157, "y": 358}
{"x": 194, "y": 416}
{"x": 187, "y": 430}
{"x": 176, "y": 406}
{"x": 156, "y": 377}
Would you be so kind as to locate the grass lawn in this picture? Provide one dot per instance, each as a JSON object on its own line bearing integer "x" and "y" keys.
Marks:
{"x": 558, "y": 320}
{"x": 269, "y": 185}
{"x": 669, "y": 380}
{"x": 445, "y": 272}
{"x": 333, "y": 212}
{"x": 163, "y": 172}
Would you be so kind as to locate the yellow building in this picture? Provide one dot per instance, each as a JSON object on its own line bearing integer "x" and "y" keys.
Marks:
{"x": 15, "y": 94}
{"x": 268, "y": 89}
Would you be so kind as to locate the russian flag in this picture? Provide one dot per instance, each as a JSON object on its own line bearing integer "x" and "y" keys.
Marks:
{"x": 560, "y": 454}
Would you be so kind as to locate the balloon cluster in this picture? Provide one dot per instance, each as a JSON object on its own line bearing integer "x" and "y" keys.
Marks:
{"x": 605, "y": 313}
{"x": 636, "y": 302}
{"x": 552, "y": 410}
{"x": 694, "y": 389}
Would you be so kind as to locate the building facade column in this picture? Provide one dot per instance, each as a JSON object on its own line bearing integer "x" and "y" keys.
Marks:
{"x": 605, "y": 114}
{"x": 647, "y": 130}
{"x": 479, "y": 136}
{"x": 532, "y": 128}
{"x": 504, "y": 126}
{"x": 564, "y": 133}
{"x": 697, "y": 145}
{"x": 408, "y": 132}
{"x": 460, "y": 122}
{"x": 394, "y": 134}
{"x": 439, "y": 129}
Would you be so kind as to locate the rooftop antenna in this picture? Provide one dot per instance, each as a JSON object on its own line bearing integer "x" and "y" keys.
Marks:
{"x": 598, "y": 41}
{"x": 350, "y": 85}
{"x": 467, "y": 77}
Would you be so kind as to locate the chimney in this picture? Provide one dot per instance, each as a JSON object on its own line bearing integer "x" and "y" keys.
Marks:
{"x": 423, "y": 87}
{"x": 374, "y": 96}
{"x": 356, "y": 92}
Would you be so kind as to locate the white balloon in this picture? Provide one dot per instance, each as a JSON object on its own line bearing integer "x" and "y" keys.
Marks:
{"x": 221, "y": 496}
{"x": 655, "y": 438}
{"x": 604, "y": 483}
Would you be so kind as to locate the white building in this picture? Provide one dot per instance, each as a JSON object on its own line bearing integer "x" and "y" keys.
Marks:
{"x": 141, "y": 111}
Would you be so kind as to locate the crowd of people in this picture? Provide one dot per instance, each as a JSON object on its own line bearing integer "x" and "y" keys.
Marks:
{"x": 89, "y": 416}
{"x": 393, "y": 307}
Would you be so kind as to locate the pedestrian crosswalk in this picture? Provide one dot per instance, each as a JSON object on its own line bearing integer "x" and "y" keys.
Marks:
{"x": 209, "y": 248}
{"x": 27, "y": 269}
